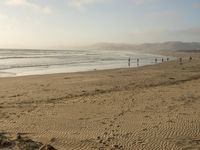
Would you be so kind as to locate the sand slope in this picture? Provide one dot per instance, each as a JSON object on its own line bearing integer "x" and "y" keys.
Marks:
{"x": 152, "y": 107}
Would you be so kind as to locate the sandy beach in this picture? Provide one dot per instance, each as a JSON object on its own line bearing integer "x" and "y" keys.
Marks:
{"x": 154, "y": 107}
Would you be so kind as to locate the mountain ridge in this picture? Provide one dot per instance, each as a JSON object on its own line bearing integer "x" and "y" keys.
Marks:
{"x": 169, "y": 45}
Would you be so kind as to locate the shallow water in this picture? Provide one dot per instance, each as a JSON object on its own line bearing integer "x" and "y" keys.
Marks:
{"x": 33, "y": 62}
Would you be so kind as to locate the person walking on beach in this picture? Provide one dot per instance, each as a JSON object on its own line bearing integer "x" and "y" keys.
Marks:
{"x": 180, "y": 61}
{"x": 156, "y": 60}
{"x": 138, "y": 62}
{"x": 190, "y": 58}
{"x": 129, "y": 62}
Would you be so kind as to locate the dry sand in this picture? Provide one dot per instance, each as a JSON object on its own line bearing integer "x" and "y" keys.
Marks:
{"x": 152, "y": 107}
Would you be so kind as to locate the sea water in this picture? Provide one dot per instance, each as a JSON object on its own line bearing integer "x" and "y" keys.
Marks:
{"x": 35, "y": 62}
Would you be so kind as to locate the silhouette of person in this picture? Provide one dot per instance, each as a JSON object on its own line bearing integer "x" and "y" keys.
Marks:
{"x": 190, "y": 58}
{"x": 129, "y": 62}
{"x": 156, "y": 60}
{"x": 138, "y": 62}
{"x": 180, "y": 60}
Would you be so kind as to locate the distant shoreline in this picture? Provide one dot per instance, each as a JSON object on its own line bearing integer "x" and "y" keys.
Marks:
{"x": 89, "y": 71}
{"x": 170, "y": 54}
{"x": 25, "y": 63}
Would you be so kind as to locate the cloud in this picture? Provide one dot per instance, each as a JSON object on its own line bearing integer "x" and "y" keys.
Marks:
{"x": 3, "y": 16}
{"x": 195, "y": 31}
{"x": 140, "y": 2}
{"x": 81, "y": 4}
{"x": 17, "y": 2}
{"x": 161, "y": 35}
{"x": 196, "y": 5}
{"x": 29, "y": 4}
{"x": 163, "y": 15}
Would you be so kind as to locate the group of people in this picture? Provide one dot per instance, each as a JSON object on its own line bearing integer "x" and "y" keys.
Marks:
{"x": 181, "y": 60}
{"x": 138, "y": 60}
{"x": 129, "y": 62}
{"x": 156, "y": 60}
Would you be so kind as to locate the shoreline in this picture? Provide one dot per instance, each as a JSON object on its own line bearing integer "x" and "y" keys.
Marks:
{"x": 87, "y": 72}
{"x": 113, "y": 63}
{"x": 79, "y": 72}
{"x": 172, "y": 54}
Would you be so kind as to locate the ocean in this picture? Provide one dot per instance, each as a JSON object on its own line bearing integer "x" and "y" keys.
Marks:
{"x": 36, "y": 62}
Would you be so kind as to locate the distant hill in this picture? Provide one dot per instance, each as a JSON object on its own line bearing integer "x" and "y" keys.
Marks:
{"x": 148, "y": 46}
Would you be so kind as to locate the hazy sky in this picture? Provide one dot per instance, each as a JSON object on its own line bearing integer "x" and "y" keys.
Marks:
{"x": 64, "y": 23}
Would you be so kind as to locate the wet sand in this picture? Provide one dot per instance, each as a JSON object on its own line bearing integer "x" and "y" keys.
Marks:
{"x": 150, "y": 107}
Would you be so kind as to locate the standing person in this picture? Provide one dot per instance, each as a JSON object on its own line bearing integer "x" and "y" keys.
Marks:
{"x": 162, "y": 60}
{"x": 156, "y": 60}
{"x": 180, "y": 61}
{"x": 190, "y": 58}
{"x": 129, "y": 62}
{"x": 138, "y": 62}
